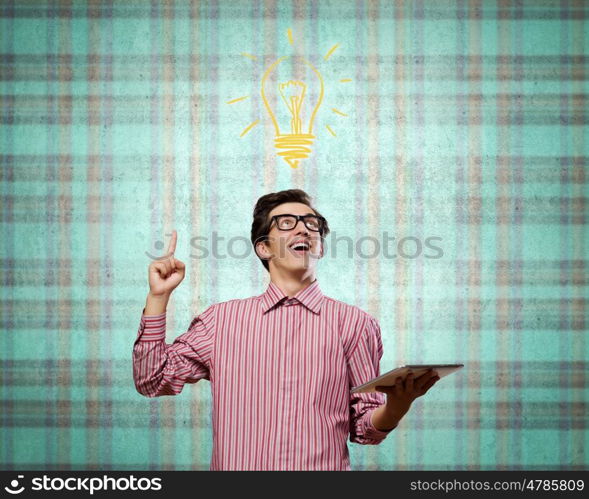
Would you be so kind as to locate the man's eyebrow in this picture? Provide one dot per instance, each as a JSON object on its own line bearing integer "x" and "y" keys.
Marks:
{"x": 293, "y": 215}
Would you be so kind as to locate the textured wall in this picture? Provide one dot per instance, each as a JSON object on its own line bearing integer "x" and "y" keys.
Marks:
{"x": 465, "y": 121}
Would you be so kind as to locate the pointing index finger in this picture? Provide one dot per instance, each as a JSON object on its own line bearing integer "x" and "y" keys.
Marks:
{"x": 172, "y": 246}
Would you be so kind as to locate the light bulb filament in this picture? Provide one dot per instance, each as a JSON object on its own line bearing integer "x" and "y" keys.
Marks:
{"x": 295, "y": 90}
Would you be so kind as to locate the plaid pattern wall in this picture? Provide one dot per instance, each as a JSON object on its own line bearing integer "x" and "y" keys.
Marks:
{"x": 460, "y": 120}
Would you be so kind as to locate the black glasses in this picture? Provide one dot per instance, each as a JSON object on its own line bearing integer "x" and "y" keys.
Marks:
{"x": 288, "y": 222}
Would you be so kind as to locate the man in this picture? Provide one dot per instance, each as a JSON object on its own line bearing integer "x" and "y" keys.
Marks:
{"x": 280, "y": 364}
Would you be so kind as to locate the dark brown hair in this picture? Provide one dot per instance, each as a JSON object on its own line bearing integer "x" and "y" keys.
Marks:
{"x": 261, "y": 222}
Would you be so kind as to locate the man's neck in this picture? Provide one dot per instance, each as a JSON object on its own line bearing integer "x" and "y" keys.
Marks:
{"x": 292, "y": 284}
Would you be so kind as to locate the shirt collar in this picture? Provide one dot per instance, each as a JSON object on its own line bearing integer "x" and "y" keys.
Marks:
{"x": 311, "y": 297}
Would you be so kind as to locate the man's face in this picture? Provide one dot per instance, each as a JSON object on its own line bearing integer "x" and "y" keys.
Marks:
{"x": 281, "y": 244}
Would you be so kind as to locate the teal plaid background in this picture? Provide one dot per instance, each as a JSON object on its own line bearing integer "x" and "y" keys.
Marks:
{"x": 466, "y": 121}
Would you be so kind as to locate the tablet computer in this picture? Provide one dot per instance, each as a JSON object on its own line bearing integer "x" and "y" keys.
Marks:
{"x": 389, "y": 378}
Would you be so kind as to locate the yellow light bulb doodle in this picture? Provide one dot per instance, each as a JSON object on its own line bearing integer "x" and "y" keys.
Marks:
{"x": 292, "y": 91}
{"x": 292, "y": 144}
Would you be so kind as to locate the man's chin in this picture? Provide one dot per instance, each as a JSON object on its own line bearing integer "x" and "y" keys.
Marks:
{"x": 305, "y": 257}
{"x": 302, "y": 264}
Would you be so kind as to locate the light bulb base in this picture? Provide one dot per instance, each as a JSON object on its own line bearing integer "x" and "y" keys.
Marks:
{"x": 293, "y": 148}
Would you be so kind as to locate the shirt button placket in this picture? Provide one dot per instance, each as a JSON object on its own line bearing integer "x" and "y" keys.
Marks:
{"x": 287, "y": 387}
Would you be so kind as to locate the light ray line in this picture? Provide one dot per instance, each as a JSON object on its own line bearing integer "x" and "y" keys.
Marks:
{"x": 238, "y": 99}
{"x": 249, "y": 127}
{"x": 331, "y": 51}
{"x": 337, "y": 111}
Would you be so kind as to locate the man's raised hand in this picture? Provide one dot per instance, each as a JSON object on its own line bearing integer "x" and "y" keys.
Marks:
{"x": 166, "y": 272}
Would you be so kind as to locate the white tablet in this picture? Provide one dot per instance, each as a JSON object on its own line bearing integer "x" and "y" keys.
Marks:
{"x": 389, "y": 378}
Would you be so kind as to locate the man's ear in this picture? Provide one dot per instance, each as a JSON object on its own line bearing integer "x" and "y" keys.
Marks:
{"x": 262, "y": 250}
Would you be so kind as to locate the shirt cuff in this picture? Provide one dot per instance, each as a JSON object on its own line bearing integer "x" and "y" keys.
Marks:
{"x": 371, "y": 432}
{"x": 152, "y": 327}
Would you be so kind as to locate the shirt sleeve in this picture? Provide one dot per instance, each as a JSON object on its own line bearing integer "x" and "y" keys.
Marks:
{"x": 363, "y": 366}
{"x": 164, "y": 369}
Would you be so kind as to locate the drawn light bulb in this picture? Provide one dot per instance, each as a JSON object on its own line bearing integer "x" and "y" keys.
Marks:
{"x": 290, "y": 105}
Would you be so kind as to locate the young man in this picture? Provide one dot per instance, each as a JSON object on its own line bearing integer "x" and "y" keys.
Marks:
{"x": 280, "y": 364}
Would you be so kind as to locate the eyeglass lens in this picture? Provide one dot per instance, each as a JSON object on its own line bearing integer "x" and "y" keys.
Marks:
{"x": 288, "y": 222}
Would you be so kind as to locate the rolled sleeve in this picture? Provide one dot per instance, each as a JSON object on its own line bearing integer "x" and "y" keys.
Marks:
{"x": 152, "y": 327}
{"x": 363, "y": 366}
{"x": 164, "y": 369}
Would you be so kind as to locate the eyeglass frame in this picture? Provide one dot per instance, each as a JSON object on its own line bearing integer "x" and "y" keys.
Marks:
{"x": 299, "y": 218}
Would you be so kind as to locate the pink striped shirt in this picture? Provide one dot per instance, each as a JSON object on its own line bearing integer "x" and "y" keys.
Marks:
{"x": 280, "y": 371}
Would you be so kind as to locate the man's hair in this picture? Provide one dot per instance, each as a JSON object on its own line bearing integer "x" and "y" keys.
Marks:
{"x": 261, "y": 222}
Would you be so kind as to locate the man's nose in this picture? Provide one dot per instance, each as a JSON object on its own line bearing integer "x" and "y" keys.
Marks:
{"x": 300, "y": 227}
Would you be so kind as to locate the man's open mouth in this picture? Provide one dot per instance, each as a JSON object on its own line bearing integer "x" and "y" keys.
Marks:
{"x": 300, "y": 248}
